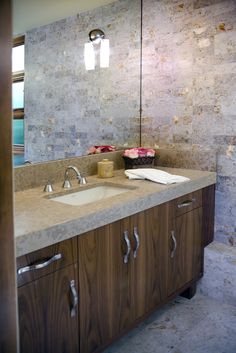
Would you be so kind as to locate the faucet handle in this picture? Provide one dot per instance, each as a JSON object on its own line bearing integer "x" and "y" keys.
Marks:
{"x": 66, "y": 184}
{"x": 48, "y": 187}
{"x": 83, "y": 181}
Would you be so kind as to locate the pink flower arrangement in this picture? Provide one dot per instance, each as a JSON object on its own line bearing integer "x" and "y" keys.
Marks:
{"x": 139, "y": 152}
{"x": 101, "y": 149}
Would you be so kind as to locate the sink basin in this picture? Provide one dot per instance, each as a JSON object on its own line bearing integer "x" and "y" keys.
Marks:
{"x": 92, "y": 194}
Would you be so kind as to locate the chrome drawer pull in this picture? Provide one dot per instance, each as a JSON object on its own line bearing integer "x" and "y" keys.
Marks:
{"x": 175, "y": 244}
{"x": 75, "y": 298}
{"x": 40, "y": 265}
{"x": 186, "y": 203}
{"x": 127, "y": 241}
{"x": 136, "y": 237}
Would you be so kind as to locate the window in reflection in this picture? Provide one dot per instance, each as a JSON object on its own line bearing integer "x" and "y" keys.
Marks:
{"x": 18, "y": 99}
{"x": 18, "y": 132}
{"x": 18, "y": 58}
{"x": 18, "y": 95}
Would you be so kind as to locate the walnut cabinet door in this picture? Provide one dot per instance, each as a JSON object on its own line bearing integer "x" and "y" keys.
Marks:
{"x": 185, "y": 252}
{"x": 48, "y": 317}
{"x": 121, "y": 274}
{"x": 150, "y": 264}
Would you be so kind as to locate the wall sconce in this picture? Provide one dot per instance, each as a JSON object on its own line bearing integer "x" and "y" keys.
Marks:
{"x": 97, "y": 38}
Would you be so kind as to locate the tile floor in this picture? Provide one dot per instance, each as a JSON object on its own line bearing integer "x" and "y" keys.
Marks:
{"x": 199, "y": 325}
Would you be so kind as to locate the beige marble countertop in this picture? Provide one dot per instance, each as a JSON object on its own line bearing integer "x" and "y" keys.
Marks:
{"x": 40, "y": 222}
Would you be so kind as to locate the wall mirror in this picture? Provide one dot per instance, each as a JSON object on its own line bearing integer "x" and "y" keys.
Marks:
{"x": 67, "y": 108}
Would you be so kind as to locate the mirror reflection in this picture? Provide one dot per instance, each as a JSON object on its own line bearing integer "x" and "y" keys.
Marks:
{"x": 68, "y": 109}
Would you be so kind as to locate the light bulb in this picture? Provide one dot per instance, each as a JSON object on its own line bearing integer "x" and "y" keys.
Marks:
{"x": 89, "y": 56}
{"x": 104, "y": 53}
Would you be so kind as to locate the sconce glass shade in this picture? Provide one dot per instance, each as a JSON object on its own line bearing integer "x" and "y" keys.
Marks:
{"x": 104, "y": 53}
{"x": 89, "y": 56}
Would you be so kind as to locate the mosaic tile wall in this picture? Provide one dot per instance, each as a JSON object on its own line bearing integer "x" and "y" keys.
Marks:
{"x": 189, "y": 89}
{"x": 69, "y": 109}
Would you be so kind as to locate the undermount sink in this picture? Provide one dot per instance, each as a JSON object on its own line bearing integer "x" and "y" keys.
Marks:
{"x": 92, "y": 194}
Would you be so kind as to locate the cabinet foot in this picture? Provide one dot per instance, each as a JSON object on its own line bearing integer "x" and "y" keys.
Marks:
{"x": 190, "y": 291}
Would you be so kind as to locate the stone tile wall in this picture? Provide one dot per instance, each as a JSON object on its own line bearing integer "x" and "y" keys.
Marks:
{"x": 189, "y": 90}
{"x": 69, "y": 109}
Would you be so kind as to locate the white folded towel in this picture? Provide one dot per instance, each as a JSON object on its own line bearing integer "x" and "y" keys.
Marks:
{"x": 158, "y": 176}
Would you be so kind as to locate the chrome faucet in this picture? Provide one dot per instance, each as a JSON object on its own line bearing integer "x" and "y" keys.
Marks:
{"x": 67, "y": 183}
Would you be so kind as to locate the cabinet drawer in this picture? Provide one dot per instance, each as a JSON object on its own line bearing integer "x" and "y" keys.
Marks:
{"x": 186, "y": 203}
{"x": 44, "y": 261}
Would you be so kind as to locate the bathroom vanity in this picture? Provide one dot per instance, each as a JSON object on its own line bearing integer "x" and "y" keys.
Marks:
{"x": 88, "y": 274}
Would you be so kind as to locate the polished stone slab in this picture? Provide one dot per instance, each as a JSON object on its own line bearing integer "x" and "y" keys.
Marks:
{"x": 40, "y": 222}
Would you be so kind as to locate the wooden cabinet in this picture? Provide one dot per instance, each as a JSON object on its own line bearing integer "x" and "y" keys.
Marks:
{"x": 104, "y": 286}
{"x": 208, "y": 207}
{"x": 48, "y": 317}
{"x": 121, "y": 271}
{"x": 149, "y": 274}
{"x": 185, "y": 251}
{"x": 60, "y": 255}
{"x": 95, "y": 289}
{"x": 121, "y": 275}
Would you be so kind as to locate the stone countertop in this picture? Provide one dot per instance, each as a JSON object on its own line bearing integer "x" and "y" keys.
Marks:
{"x": 40, "y": 222}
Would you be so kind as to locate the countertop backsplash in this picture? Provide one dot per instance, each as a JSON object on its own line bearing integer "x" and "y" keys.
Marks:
{"x": 37, "y": 174}
{"x": 33, "y": 175}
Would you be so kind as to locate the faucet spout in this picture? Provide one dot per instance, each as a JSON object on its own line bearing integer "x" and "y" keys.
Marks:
{"x": 71, "y": 167}
{"x": 67, "y": 183}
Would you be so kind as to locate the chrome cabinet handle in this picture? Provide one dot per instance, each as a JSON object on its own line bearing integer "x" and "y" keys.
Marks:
{"x": 75, "y": 298}
{"x": 175, "y": 244}
{"x": 38, "y": 266}
{"x": 186, "y": 203}
{"x": 127, "y": 241}
{"x": 136, "y": 237}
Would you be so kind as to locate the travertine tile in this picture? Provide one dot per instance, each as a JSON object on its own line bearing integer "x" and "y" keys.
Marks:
{"x": 69, "y": 109}
{"x": 189, "y": 92}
